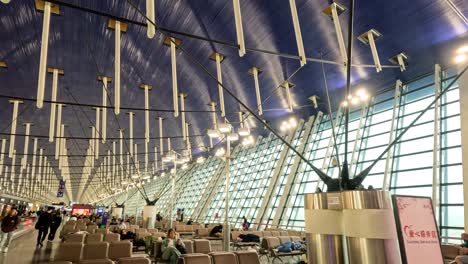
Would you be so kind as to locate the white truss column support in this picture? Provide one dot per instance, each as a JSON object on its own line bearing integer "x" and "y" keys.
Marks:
{"x": 119, "y": 27}
{"x": 53, "y": 105}
{"x": 436, "y": 147}
{"x": 150, "y": 28}
{"x": 47, "y": 8}
{"x": 218, "y": 58}
{"x": 255, "y": 73}
{"x": 388, "y": 159}
{"x": 57, "y": 130}
{"x": 239, "y": 28}
{"x": 26, "y": 145}
{"x": 130, "y": 126}
{"x": 297, "y": 32}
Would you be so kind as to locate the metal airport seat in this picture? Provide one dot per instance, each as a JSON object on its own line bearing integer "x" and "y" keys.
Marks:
{"x": 111, "y": 237}
{"x": 134, "y": 260}
{"x": 202, "y": 246}
{"x": 247, "y": 257}
{"x": 223, "y": 258}
{"x": 91, "y": 238}
{"x": 75, "y": 238}
{"x": 189, "y": 246}
{"x": 72, "y": 251}
{"x": 197, "y": 258}
{"x": 120, "y": 249}
{"x": 97, "y": 261}
{"x": 96, "y": 250}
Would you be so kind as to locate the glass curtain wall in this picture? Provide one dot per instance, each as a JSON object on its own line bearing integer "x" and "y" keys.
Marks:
{"x": 408, "y": 166}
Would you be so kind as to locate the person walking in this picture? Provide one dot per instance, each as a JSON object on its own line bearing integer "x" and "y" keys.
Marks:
{"x": 43, "y": 224}
{"x": 56, "y": 221}
{"x": 9, "y": 224}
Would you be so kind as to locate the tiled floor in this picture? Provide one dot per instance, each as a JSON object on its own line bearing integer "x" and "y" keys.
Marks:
{"x": 23, "y": 250}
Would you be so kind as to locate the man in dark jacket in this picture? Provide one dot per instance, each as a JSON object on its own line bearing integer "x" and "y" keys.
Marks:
{"x": 43, "y": 225}
{"x": 9, "y": 224}
{"x": 56, "y": 221}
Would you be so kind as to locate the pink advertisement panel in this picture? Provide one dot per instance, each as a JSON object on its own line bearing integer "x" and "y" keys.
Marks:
{"x": 419, "y": 239}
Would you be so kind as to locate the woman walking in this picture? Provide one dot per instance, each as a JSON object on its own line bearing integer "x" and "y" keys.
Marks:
{"x": 9, "y": 224}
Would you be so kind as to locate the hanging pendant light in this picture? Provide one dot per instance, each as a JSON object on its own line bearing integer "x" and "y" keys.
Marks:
{"x": 48, "y": 8}
{"x": 104, "y": 80}
{"x": 2, "y": 159}
{"x": 146, "y": 88}
{"x": 239, "y": 29}
{"x": 369, "y": 38}
{"x": 155, "y": 163}
{"x": 57, "y": 130}
{"x": 121, "y": 153}
{"x": 182, "y": 108}
{"x": 130, "y": 124}
{"x": 243, "y": 131}
{"x": 255, "y": 72}
{"x": 13, "y": 126}
{"x": 13, "y": 164}
{"x": 297, "y": 32}
{"x": 173, "y": 43}
{"x": 113, "y": 158}
{"x": 287, "y": 85}
{"x": 146, "y": 157}
{"x": 119, "y": 27}
{"x": 97, "y": 133}
{"x": 26, "y": 145}
{"x": 41, "y": 168}
{"x": 150, "y": 28}
{"x": 161, "y": 143}
{"x": 218, "y": 58}
{"x": 55, "y": 73}
{"x": 333, "y": 11}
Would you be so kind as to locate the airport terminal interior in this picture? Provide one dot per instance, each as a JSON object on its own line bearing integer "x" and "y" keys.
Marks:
{"x": 233, "y": 131}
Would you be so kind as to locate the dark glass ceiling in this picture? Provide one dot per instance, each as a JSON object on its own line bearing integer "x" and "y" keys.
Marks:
{"x": 81, "y": 44}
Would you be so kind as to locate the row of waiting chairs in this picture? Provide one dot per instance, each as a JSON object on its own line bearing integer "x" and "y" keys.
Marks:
{"x": 240, "y": 257}
{"x": 76, "y": 252}
{"x": 144, "y": 232}
{"x": 91, "y": 238}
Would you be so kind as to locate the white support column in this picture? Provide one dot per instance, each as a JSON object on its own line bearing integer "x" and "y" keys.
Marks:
{"x": 388, "y": 160}
{"x": 208, "y": 194}
{"x": 435, "y": 153}
{"x": 273, "y": 181}
{"x": 292, "y": 174}
{"x": 463, "y": 88}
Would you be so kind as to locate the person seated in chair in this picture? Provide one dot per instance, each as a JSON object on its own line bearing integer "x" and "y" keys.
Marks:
{"x": 172, "y": 247}
{"x": 216, "y": 231}
{"x": 462, "y": 250}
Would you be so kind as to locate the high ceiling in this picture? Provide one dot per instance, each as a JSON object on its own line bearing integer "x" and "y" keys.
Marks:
{"x": 81, "y": 44}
